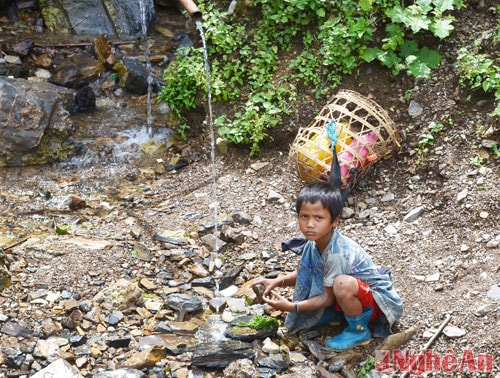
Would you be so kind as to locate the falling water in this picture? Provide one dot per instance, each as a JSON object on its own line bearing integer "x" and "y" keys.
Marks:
{"x": 148, "y": 65}
{"x": 212, "y": 135}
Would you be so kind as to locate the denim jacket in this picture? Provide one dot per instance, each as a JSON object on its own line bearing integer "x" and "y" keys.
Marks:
{"x": 341, "y": 256}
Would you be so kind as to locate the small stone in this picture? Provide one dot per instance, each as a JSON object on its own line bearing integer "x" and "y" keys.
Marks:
{"x": 485, "y": 309}
{"x": 147, "y": 284}
{"x": 432, "y": 278}
{"x": 414, "y": 214}
{"x": 387, "y": 197}
{"x": 258, "y": 166}
{"x": 270, "y": 347}
{"x": 391, "y": 229}
{"x": 494, "y": 292}
{"x": 454, "y": 332}
{"x": 274, "y": 196}
{"x": 462, "y": 195}
{"x": 415, "y": 109}
{"x": 484, "y": 214}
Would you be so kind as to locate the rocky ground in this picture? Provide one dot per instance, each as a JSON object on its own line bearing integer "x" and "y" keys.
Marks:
{"x": 73, "y": 230}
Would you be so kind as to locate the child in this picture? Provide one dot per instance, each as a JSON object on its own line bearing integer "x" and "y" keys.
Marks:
{"x": 335, "y": 275}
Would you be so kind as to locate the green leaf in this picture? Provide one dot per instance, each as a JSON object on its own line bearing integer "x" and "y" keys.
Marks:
{"x": 320, "y": 12}
{"x": 417, "y": 68}
{"x": 370, "y": 54}
{"x": 431, "y": 58}
{"x": 409, "y": 48}
{"x": 396, "y": 14}
{"x": 425, "y": 5}
{"x": 417, "y": 23}
{"x": 443, "y": 5}
{"x": 365, "y": 5}
{"x": 442, "y": 28}
{"x": 389, "y": 58}
{"x": 63, "y": 229}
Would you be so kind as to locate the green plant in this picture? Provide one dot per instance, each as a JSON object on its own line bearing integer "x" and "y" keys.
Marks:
{"x": 479, "y": 72}
{"x": 260, "y": 322}
{"x": 257, "y": 65}
{"x": 476, "y": 160}
{"x": 427, "y": 139}
{"x": 398, "y": 52}
{"x": 63, "y": 229}
{"x": 495, "y": 150}
{"x": 185, "y": 78}
{"x": 407, "y": 95}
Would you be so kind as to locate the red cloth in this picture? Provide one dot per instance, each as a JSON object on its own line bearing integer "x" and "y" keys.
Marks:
{"x": 366, "y": 298}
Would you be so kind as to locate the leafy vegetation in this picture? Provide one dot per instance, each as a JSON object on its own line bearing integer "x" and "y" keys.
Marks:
{"x": 259, "y": 67}
{"x": 260, "y": 322}
{"x": 427, "y": 138}
{"x": 479, "y": 72}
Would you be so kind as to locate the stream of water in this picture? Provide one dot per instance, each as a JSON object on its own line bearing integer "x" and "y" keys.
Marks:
{"x": 214, "y": 204}
{"x": 214, "y": 332}
{"x": 148, "y": 66}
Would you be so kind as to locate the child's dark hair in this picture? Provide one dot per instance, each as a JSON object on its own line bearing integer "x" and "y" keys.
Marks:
{"x": 329, "y": 197}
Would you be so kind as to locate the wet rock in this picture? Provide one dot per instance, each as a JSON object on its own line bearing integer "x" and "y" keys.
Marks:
{"x": 238, "y": 329}
{"x": 184, "y": 302}
{"x": 213, "y": 243}
{"x": 345, "y": 358}
{"x": 36, "y": 122}
{"x": 277, "y": 363}
{"x": 117, "y": 18}
{"x": 218, "y": 355}
{"x": 85, "y": 100}
{"x": 217, "y": 304}
{"x": 78, "y": 71}
{"x": 227, "y": 278}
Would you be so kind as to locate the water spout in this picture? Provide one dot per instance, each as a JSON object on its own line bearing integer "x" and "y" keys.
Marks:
{"x": 191, "y": 8}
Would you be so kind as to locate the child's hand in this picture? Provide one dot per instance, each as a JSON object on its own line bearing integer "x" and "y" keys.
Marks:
{"x": 277, "y": 301}
{"x": 268, "y": 283}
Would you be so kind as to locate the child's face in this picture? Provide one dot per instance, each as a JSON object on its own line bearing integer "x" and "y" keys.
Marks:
{"x": 316, "y": 223}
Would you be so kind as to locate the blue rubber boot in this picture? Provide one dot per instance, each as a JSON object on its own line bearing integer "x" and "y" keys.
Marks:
{"x": 356, "y": 333}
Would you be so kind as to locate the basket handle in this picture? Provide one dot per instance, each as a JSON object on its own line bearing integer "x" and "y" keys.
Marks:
{"x": 335, "y": 179}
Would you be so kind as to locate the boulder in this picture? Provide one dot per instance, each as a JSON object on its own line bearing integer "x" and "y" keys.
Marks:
{"x": 115, "y": 18}
{"x": 35, "y": 123}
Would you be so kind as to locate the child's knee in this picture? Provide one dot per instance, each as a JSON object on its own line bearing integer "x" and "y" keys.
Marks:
{"x": 344, "y": 285}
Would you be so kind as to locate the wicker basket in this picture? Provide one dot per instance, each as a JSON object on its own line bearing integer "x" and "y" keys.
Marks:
{"x": 365, "y": 134}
